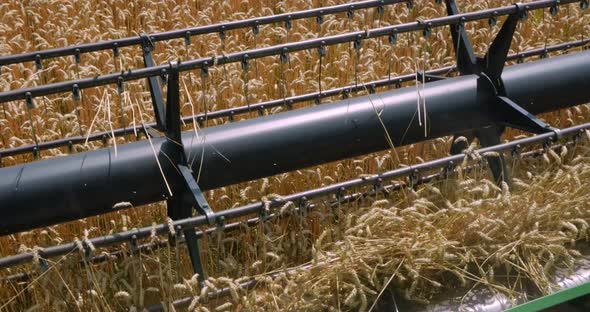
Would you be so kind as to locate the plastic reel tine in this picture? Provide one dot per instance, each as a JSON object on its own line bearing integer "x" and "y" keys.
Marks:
{"x": 547, "y": 144}
{"x": 413, "y": 179}
{"x": 29, "y": 100}
{"x": 288, "y": 26}
{"x": 492, "y": 21}
{"x": 76, "y": 93}
{"x": 554, "y": 9}
{"x": 245, "y": 68}
{"x": 87, "y": 252}
{"x": 357, "y": 47}
{"x": 427, "y": 31}
{"x": 116, "y": 50}
{"x": 263, "y": 214}
{"x": 392, "y": 38}
{"x": 245, "y": 65}
{"x": 284, "y": 56}
{"x": 303, "y": 206}
{"x": 187, "y": 38}
{"x": 576, "y": 138}
{"x": 177, "y": 237}
{"x": 120, "y": 85}
{"x": 320, "y": 18}
{"x": 38, "y": 64}
{"x": 205, "y": 70}
{"x": 322, "y": 53}
{"x": 133, "y": 245}
{"x": 219, "y": 232}
{"x": 340, "y": 194}
{"x": 345, "y": 93}
{"x": 256, "y": 28}
{"x": 523, "y": 15}
{"x": 220, "y": 221}
{"x": 283, "y": 59}
{"x": 43, "y": 264}
{"x": 77, "y": 56}
{"x": 318, "y": 99}
{"x": 448, "y": 169}
{"x": 255, "y": 31}
{"x": 357, "y": 43}
{"x": 516, "y": 152}
{"x": 164, "y": 76}
{"x": 378, "y": 188}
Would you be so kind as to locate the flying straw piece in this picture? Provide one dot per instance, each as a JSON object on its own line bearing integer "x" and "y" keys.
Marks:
{"x": 418, "y": 95}
{"x": 111, "y": 123}
{"x": 95, "y": 117}
{"x": 422, "y": 94}
{"x": 153, "y": 149}
{"x": 128, "y": 100}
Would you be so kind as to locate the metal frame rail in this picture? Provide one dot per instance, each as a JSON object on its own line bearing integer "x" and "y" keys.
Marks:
{"x": 188, "y": 33}
{"x": 288, "y": 101}
{"x": 283, "y": 49}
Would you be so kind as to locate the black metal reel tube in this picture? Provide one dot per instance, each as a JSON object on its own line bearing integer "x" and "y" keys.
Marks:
{"x": 274, "y": 103}
{"x": 155, "y": 245}
{"x": 254, "y": 208}
{"x": 68, "y": 86}
{"x": 194, "y": 31}
{"x": 228, "y": 228}
{"x": 86, "y": 184}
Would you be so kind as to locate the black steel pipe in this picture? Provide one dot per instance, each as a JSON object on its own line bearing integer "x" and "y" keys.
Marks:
{"x": 228, "y": 228}
{"x": 86, "y": 184}
{"x": 226, "y": 113}
{"x": 229, "y": 214}
{"x": 85, "y": 83}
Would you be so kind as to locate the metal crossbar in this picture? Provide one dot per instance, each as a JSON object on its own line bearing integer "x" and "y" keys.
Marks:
{"x": 288, "y": 101}
{"x": 187, "y": 33}
{"x": 244, "y": 56}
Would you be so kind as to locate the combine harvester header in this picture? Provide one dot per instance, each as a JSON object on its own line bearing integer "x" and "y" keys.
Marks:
{"x": 479, "y": 103}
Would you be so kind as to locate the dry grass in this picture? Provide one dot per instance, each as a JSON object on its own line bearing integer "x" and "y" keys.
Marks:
{"x": 451, "y": 235}
{"x": 31, "y": 25}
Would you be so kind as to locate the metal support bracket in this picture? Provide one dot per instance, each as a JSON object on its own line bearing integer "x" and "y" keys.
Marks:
{"x": 189, "y": 194}
{"x": 490, "y": 136}
{"x": 512, "y": 115}
{"x": 422, "y": 76}
{"x": 466, "y": 60}
{"x": 495, "y": 58}
{"x": 505, "y": 112}
{"x": 154, "y": 85}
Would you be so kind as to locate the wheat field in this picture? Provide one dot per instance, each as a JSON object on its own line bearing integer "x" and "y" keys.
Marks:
{"x": 409, "y": 241}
